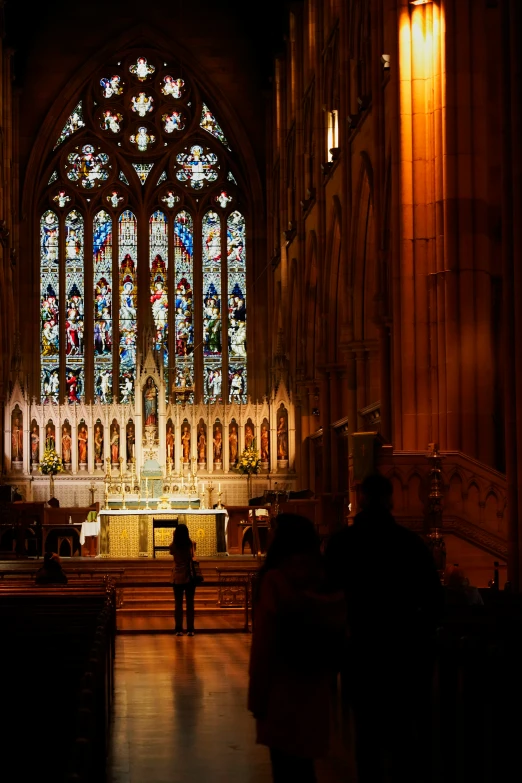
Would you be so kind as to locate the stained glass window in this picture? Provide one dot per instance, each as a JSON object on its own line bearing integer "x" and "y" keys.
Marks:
{"x": 74, "y": 122}
{"x": 212, "y": 339}
{"x": 142, "y": 69}
{"x": 237, "y": 345}
{"x": 88, "y": 166}
{"x": 159, "y": 298}
{"x": 49, "y": 308}
{"x": 128, "y": 251}
{"x": 142, "y": 139}
{"x": 173, "y": 121}
{"x": 184, "y": 308}
{"x": 142, "y": 104}
{"x": 197, "y": 166}
{"x": 142, "y": 170}
{"x": 172, "y": 87}
{"x": 111, "y": 121}
{"x": 102, "y": 266}
{"x": 74, "y": 306}
{"x": 196, "y": 262}
{"x": 209, "y": 123}
{"x": 111, "y": 86}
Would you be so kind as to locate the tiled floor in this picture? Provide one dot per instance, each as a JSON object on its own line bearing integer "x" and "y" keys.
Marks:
{"x": 180, "y": 714}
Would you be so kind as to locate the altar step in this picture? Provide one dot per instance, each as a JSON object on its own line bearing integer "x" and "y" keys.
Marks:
{"x": 140, "y": 599}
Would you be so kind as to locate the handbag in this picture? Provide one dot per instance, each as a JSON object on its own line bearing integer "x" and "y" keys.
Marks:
{"x": 196, "y": 577}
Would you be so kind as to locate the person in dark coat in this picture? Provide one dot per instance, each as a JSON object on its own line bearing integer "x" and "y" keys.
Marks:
{"x": 296, "y": 627}
{"x": 51, "y": 572}
{"x": 394, "y": 601}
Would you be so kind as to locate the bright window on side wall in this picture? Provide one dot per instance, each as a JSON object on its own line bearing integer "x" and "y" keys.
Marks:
{"x": 141, "y": 228}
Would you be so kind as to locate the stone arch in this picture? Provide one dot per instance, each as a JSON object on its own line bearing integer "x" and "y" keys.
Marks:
{"x": 491, "y": 519}
{"x": 455, "y": 499}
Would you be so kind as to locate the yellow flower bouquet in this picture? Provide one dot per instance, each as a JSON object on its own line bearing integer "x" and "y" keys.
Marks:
{"x": 51, "y": 463}
{"x": 249, "y": 461}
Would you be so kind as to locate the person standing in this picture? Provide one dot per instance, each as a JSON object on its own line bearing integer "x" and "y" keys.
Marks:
{"x": 394, "y": 601}
{"x": 182, "y": 550}
{"x": 297, "y": 633}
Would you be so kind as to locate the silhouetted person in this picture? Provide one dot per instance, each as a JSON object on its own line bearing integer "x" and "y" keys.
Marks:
{"x": 51, "y": 572}
{"x": 53, "y": 503}
{"x": 394, "y": 603}
{"x": 296, "y": 626}
{"x": 182, "y": 549}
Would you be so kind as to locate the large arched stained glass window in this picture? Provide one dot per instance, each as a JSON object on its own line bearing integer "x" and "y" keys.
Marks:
{"x": 128, "y": 250}
{"x": 102, "y": 266}
{"x": 139, "y": 230}
{"x": 49, "y": 307}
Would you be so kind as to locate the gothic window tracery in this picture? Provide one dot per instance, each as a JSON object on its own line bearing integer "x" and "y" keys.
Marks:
{"x": 120, "y": 249}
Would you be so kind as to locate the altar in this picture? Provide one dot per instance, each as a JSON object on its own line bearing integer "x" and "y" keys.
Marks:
{"x": 139, "y": 532}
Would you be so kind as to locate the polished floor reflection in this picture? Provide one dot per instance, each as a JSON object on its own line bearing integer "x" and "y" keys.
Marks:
{"x": 180, "y": 714}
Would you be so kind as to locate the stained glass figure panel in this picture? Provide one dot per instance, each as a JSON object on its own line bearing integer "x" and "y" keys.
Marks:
{"x": 237, "y": 334}
{"x": 174, "y": 121}
{"x": 212, "y": 335}
{"x": 172, "y": 87}
{"x": 74, "y": 304}
{"x": 142, "y": 104}
{"x": 103, "y": 334}
{"x": 142, "y": 138}
{"x": 198, "y": 166}
{"x": 184, "y": 312}
{"x": 111, "y": 86}
{"x": 158, "y": 265}
{"x": 142, "y": 69}
{"x": 142, "y": 170}
{"x": 88, "y": 166}
{"x": 128, "y": 251}
{"x": 74, "y": 122}
{"x": 209, "y": 123}
{"x": 111, "y": 121}
{"x": 49, "y": 307}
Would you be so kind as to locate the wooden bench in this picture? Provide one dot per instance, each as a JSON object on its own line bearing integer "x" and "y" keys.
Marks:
{"x": 58, "y": 647}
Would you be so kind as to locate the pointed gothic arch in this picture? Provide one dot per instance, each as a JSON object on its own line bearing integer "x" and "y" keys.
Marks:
{"x": 143, "y": 144}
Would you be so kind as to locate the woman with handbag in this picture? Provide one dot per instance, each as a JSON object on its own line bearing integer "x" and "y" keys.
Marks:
{"x": 182, "y": 549}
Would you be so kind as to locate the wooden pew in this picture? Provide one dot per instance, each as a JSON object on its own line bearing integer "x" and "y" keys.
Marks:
{"x": 58, "y": 648}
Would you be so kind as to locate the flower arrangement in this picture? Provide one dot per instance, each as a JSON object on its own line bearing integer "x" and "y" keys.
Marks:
{"x": 51, "y": 463}
{"x": 249, "y": 461}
